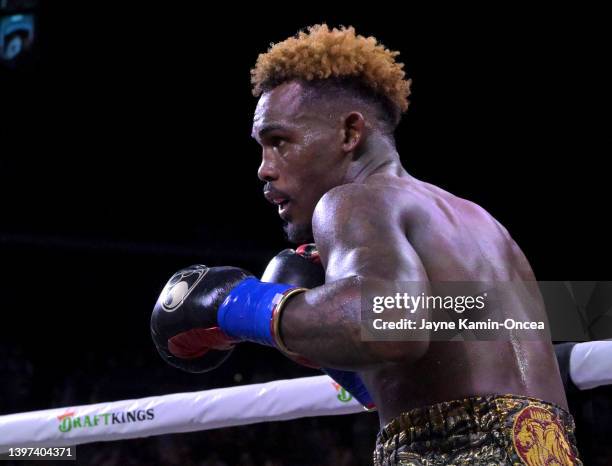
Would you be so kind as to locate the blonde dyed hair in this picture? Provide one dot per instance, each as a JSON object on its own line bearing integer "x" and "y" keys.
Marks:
{"x": 321, "y": 53}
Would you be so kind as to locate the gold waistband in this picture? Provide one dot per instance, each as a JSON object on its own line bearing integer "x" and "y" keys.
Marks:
{"x": 518, "y": 427}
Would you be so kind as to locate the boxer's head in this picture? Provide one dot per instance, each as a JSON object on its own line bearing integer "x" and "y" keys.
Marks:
{"x": 327, "y": 96}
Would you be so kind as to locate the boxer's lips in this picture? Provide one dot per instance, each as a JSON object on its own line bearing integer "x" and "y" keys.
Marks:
{"x": 280, "y": 201}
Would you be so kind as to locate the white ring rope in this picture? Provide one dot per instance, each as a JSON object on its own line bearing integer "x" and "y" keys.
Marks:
{"x": 222, "y": 407}
{"x": 180, "y": 412}
{"x": 591, "y": 364}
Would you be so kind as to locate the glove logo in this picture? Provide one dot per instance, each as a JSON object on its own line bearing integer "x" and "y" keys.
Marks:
{"x": 180, "y": 285}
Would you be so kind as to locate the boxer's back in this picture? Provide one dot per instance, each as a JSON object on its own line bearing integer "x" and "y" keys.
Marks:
{"x": 457, "y": 240}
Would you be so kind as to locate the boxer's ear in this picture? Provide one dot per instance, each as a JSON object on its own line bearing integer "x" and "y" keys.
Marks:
{"x": 353, "y": 131}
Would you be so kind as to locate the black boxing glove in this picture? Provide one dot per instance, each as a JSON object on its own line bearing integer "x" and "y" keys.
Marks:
{"x": 202, "y": 312}
{"x": 184, "y": 320}
{"x": 300, "y": 267}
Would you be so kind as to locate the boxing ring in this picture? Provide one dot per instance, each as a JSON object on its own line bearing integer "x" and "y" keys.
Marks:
{"x": 590, "y": 366}
{"x": 280, "y": 400}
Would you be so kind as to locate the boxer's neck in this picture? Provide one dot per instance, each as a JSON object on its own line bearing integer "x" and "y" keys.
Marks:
{"x": 376, "y": 155}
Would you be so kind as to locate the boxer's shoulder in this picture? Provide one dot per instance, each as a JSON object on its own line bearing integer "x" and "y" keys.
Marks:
{"x": 345, "y": 196}
{"x": 354, "y": 210}
{"x": 363, "y": 198}
{"x": 357, "y": 230}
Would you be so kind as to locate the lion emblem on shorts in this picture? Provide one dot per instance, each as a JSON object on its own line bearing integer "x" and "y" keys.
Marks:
{"x": 540, "y": 440}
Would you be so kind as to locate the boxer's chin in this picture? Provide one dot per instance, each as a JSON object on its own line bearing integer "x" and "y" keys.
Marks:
{"x": 298, "y": 233}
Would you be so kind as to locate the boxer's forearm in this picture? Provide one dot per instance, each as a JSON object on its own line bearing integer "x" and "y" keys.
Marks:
{"x": 324, "y": 325}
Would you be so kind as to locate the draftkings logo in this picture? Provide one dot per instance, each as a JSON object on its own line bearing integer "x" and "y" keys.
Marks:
{"x": 342, "y": 395}
{"x": 69, "y": 421}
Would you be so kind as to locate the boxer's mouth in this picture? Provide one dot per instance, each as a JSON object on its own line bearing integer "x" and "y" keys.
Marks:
{"x": 283, "y": 205}
{"x": 279, "y": 199}
{"x": 276, "y": 198}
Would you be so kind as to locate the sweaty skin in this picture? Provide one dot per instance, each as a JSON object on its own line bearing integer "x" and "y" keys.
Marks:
{"x": 370, "y": 219}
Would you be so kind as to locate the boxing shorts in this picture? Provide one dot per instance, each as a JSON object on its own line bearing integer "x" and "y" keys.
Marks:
{"x": 480, "y": 430}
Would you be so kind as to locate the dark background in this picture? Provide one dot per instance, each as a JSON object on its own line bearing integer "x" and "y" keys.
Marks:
{"x": 126, "y": 154}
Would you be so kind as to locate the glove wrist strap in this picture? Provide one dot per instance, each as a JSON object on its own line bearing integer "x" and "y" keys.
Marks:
{"x": 252, "y": 310}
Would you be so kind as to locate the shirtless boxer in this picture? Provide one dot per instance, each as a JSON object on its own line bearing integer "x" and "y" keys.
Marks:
{"x": 330, "y": 102}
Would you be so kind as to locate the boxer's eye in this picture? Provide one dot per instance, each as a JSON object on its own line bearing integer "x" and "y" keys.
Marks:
{"x": 277, "y": 141}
